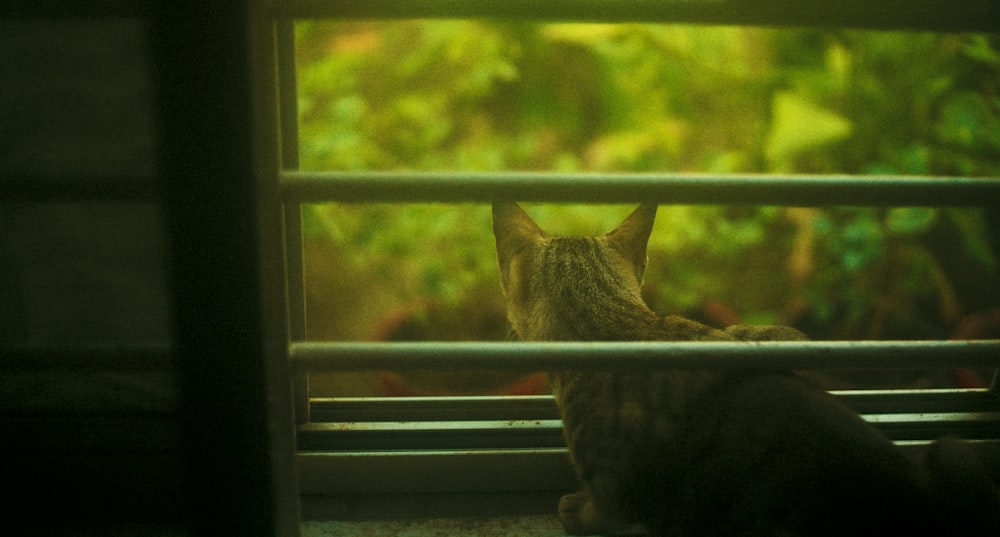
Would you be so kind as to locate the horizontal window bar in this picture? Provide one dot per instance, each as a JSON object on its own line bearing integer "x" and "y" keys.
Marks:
{"x": 928, "y": 426}
{"x": 437, "y": 427}
{"x": 944, "y": 15}
{"x": 532, "y": 434}
{"x": 543, "y": 407}
{"x": 510, "y": 434}
{"x": 92, "y": 358}
{"x": 639, "y": 356}
{"x": 920, "y": 400}
{"x": 516, "y": 407}
{"x": 423, "y": 435}
{"x": 358, "y": 432}
{"x": 942, "y": 417}
{"x": 790, "y": 190}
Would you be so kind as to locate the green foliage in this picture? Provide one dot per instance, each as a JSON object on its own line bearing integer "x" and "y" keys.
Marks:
{"x": 798, "y": 126}
{"x": 478, "y": 95}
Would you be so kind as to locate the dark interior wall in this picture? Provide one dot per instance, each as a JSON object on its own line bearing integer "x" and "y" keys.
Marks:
{"x": 143, "y": 376}
{"x": 77, "y": 108}
{"x": 83, "y": 264}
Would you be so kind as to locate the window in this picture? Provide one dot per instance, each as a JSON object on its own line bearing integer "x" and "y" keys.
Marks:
{"x": 359, "y": 455}
{"x": 153, "y": 178}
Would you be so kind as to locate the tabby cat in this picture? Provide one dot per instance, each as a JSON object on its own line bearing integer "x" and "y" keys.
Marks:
{"x": 699, "y": 453}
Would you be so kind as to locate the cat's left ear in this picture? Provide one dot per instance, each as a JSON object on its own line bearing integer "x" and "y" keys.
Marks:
{"x": 630, "y": 238}
{"x": 516, "y": 235}
{"x": 512, "y": 227}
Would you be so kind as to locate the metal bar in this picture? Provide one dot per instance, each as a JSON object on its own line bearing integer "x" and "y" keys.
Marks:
{"x": 789, "y": 190}
{"x": 287, "y": 93}
{"x": 641, "y": 356}
{"x": 547, "y": 433}
{"x": 533, "y": 434}
{"x": 92, "y": 358}
{"x": 942, "y": 417}
{"x": 422, "y": 435}
{"x": 542, "y": 407}
{"x": 446, "y": 426}
{"x": 931, "y": 425}
{"x": 919, "y": 400}
{"x": 292, "y": 221}
{"x": 520, "y": 407}
{"x": 296, "y": 303}
{"x": 941, "y": 15}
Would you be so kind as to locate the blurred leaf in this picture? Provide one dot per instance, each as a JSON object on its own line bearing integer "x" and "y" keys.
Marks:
{"x": 798, "y": 125}
{"x": 980, "y": 48}
{"x": 970, "y": 120}
{"x": 860, "y": 241}
{"x": 838, "y": 61}
{"x": 910, "y": 220}
{"x": 586, "y": 33}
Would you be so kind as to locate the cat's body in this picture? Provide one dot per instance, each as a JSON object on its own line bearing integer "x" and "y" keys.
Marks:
{"x": 691, "y": 452}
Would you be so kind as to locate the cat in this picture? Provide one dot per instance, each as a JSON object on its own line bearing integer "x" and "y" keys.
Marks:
{"x": 677, "y": 453}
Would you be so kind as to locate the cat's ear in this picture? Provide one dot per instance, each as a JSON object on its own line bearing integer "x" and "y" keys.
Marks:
{"x": 630, "y": 238}
{"x": 513, "y": 226}
{"x": 516, "y": 233}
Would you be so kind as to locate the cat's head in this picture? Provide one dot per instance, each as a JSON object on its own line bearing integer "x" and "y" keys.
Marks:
{"x": 527, "y": 256}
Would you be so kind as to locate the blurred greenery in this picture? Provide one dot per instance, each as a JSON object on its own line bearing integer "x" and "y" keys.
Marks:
{"x": 482, "y": 95}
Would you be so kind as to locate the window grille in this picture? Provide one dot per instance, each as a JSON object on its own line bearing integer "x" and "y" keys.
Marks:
{"x": 376, "y": 448}
{"x": 349, "y": 448}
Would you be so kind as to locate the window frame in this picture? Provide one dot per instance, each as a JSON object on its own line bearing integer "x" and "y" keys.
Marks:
{"x": 354, "y": 481}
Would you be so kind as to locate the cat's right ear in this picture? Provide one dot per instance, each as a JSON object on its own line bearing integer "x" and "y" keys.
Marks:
{"x": 516, "y": 234}
{"x": 512, "y": 226}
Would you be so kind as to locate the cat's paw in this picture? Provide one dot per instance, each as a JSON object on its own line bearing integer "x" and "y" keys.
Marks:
{"x": 579, "y": 516}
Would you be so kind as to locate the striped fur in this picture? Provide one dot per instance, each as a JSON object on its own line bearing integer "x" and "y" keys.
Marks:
{"x": 649, "y": 449}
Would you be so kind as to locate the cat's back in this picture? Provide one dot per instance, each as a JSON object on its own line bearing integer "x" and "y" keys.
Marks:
{"x": 747, "y": 453}
{"x": 769, "y": 454}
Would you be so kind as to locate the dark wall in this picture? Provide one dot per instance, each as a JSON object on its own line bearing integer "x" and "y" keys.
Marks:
{"x": 83, "y": 266}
